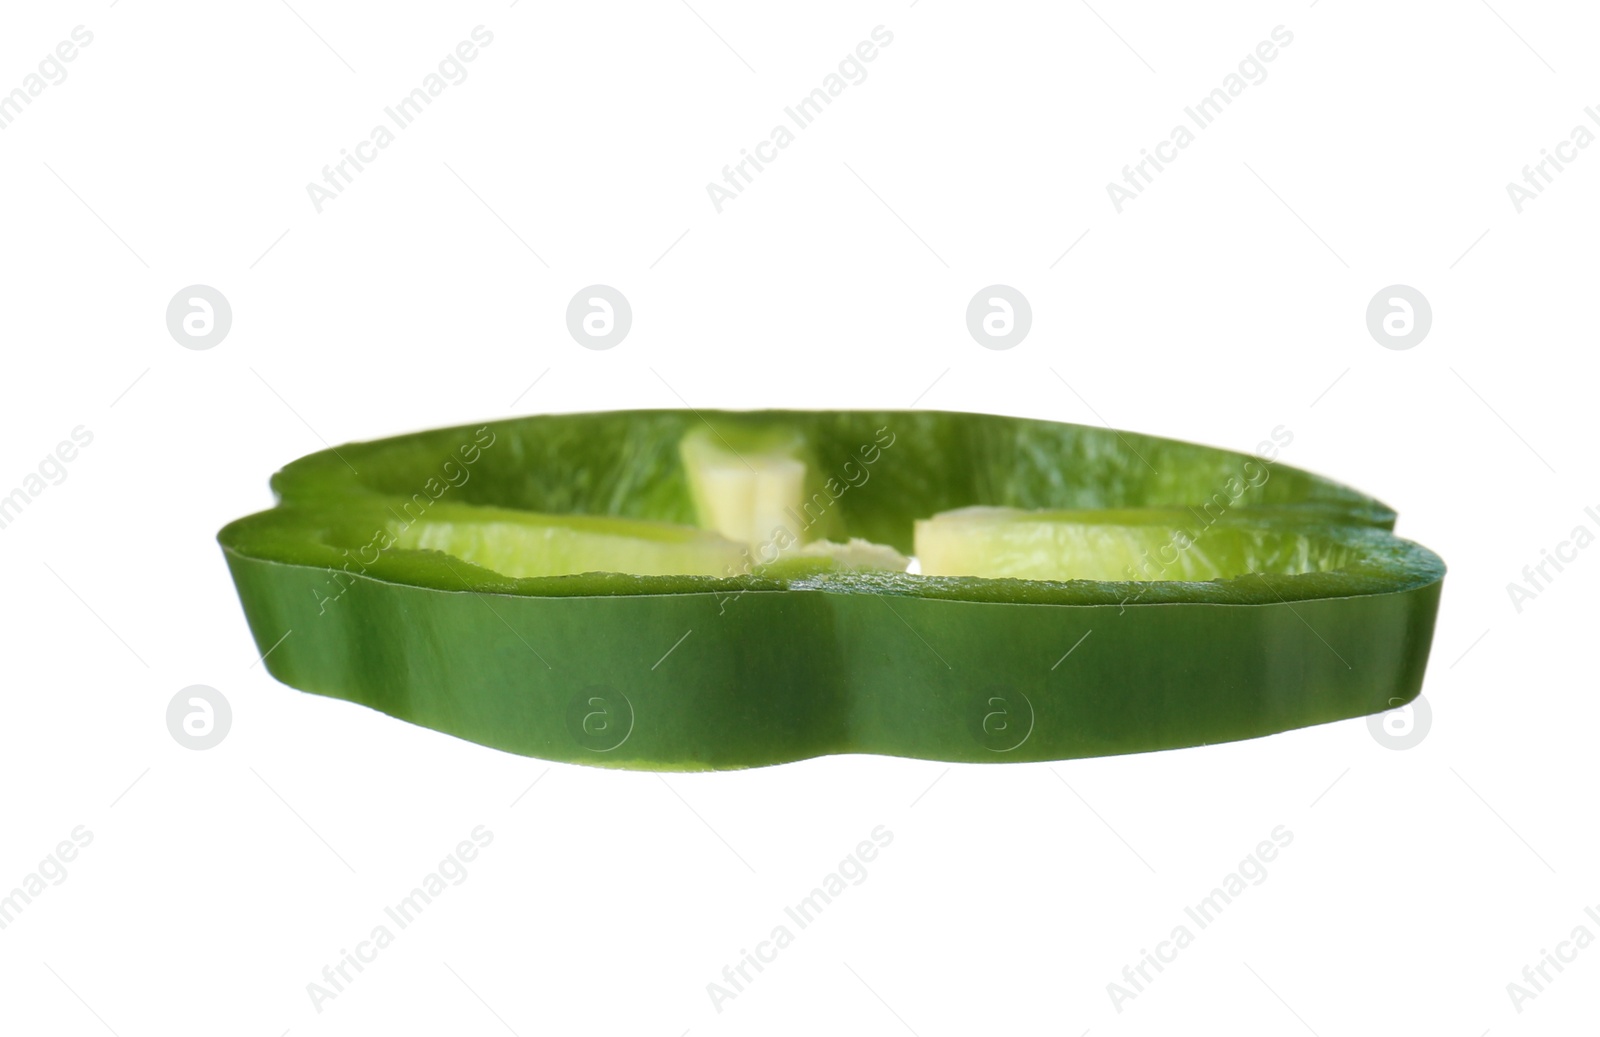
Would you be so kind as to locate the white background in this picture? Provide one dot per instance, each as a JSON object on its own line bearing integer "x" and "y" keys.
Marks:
{"x": 1226, "y": 300}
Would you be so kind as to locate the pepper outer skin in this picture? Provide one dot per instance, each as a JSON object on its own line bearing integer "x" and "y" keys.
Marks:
{"x": 788, "y": 662}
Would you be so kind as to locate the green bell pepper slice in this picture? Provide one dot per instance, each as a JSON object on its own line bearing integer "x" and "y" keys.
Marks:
{"x": 595, "y": 588}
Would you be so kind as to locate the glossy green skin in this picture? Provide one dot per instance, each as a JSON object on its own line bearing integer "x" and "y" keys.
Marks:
{"x": 795, "y": 661}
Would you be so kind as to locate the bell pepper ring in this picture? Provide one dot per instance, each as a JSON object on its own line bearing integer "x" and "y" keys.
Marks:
{"x": 680, "y": 590}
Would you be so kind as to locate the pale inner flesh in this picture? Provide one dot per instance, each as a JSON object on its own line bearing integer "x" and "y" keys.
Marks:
{"x": 749, "y": 503}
